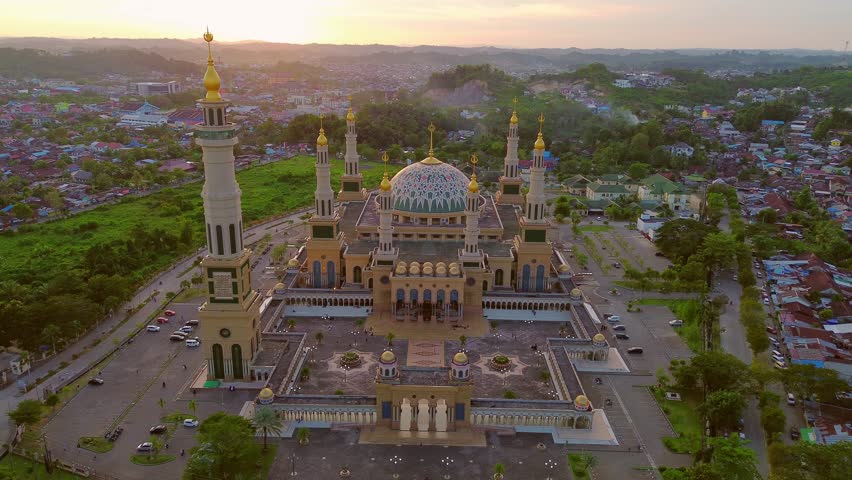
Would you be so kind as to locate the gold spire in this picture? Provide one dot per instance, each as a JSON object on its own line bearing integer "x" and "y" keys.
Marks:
{"x": 539, "y": 143}
{"x": 321, "y": 140}
{"x": 350, "y": 117}
{"x": 211, "y": 78}
{"x": 473, "y": 187}
{"x": 514, "y": 119}
{"x": 431, "y": 158}
{"x": 386, "y": 185}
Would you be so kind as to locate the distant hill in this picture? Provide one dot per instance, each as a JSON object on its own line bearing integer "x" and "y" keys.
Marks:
{"x": 85, "y": 64}
{"x": 466, "y": 85}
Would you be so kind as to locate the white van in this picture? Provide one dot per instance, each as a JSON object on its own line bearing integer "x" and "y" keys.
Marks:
{"x": 192, "y": 342}
{"x": 791, "y": 399}
{"x": 776, "y": 353}
{"x": 614, "y": 319}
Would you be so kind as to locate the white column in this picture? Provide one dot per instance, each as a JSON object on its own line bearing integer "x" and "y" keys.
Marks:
{"x": 471, "y": 227}
{"x": 510, "y": 163}
{"x": 351, "y": 157}
{"x": 385, "y": 221}
{"x": 323, "y": 196}
{"x": 535, "y": 198}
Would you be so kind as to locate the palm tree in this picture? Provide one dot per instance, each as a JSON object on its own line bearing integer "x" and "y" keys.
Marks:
{"x": 50, "y": 333}
{"x": 192, "y": 406}
{"x": 463, "y": 340}
{"x": 185, "y": 284}
{"x": 303, "y": 436}
{"x": 319, "y": 336}
{"x": 156, "y": 446}
{"x": 161, "y": 403}
{"x": 493, "y": 324}
{"x": 76, "y": 326}
{"x": 499, "y": 470}
{"x": 291, "y": 324}
{"x": 266, "y": 420}
{"x": 389, "y": 337}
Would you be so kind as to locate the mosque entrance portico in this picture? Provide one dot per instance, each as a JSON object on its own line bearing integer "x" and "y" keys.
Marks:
{"x": 407, "y": 323}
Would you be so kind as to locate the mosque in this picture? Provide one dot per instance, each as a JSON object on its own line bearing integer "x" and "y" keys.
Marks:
{"x": 426, "y": 253}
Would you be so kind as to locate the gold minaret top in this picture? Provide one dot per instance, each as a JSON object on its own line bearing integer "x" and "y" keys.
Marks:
{"x": 514, "y": 119}
{"x": 430, "y": 160}
{"x": 385, "y": 185}
{"x": 321, "y": 140}
{"x": 473, "y": 186}
{"x": 539, "y": 143}
{"x": 211, "y": 78}
{"x": 349, "y": 115}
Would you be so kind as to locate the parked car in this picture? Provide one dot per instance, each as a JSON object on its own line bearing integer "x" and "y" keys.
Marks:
{"x": 772, "y": 330}
{"x": 186, "y": 329}
{"x": 791, "y": 399}
{"x": 192, "y": 322}
{"x": 613, "y": 319}
{"x": 152, "y": 328}
{"x": 622, "y": 336}
{"x": 779, "y": 365}
{"x": 774, "y": 341}
{"x": 162, "y": 320}
{"x": 736, "y": 278}
{"x": 145, "y": 447}
{"x": 635, "y": 350}
{"x": 158, "y": 429}
{"x": 619, "y": 328}
{"x": 180, "y": 333}
{"x": 192, "y": 342}
{"x": 794, "y": 433}
{"x": 765, "y": 301}
{"x": 616, "y": 265}
{"x": 177, "y": 338}
{"x": 169, "y": 313}
{"x": 676, "y": 323}
{"x": 658, "y": 254}
{"x": 190, "y": 422}
{"x": 96, "y": 381}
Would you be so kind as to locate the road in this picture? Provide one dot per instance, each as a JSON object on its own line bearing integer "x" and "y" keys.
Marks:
{"x": 167, "y": 281}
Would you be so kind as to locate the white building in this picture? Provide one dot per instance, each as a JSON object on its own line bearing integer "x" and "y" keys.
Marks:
{"x": 154, "y": 88}
{"x": 143, "y": 120}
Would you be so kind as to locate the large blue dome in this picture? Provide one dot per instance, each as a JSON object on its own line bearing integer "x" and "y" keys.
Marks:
{"x": 430, "y": 186}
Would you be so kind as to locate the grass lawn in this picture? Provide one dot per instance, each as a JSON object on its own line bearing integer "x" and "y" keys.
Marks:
{"x": 686, "y": 310}
{"x": 595, "y": 228}
{"x": 268, "y": 190}
{"x": 685, "y": 420}
{"x": 22, "y": 467}
{"x": 152, "y": 460}
{"x": 95, "y": 444}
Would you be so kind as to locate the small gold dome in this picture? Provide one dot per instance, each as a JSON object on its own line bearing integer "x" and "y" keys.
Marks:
{"x": 599, "y": 338}
{"x": 440, "y": 264}
{"x": 402, "y": 263}
{"x": 427, "y": 270}
{"x": 440, "y": 270}
{"x": 539, "y": 143}
{"x": 473, "y": 187}
{"x": 427, "y": 264}
{"x": 385, "y": 185}
{"x": 279, "y": 286}
{"x": 414, "y": 264}
{"x": 564, "y": 268}
{"x": 400, "y": 269}
{"x": 454, "y": 270}
{"x": 321, "y": 140}
{"x": 576, "y": 293}
{"x": 293, "y": 262}
{"x": 388, "y": 356}
{"x": 266, "y": 394}
{"x": 414, "y": 269}
{"x": 581, "y": 400}
{"x": 460, "y": 358}
{"x": 350, "y": 117}
{"x": 514, "y": 119}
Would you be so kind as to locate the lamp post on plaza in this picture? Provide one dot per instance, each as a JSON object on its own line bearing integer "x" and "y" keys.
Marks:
{"x": 395, "y": 460}
{"x": 293, "y": 464}
{"x": 447, "y": 462}
{"x": 551, "y": 465}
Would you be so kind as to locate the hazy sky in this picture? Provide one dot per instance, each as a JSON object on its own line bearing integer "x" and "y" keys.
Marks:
{"x": 822, "y": 24}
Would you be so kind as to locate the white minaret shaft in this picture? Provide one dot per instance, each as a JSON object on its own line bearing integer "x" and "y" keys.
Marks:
{"x": 510, "y": 163}
{"x": 535, "y": 197}
{"x": 351, "y": 157}
{"x": 323, "y": 195}
{"x": 385, "y": 217}
{"x": 471, "y": 226}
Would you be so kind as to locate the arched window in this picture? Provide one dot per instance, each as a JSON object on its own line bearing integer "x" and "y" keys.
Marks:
{"x": 400, "y": 294}
{"x": 356, "y": 274}
{"x": 232, "y": 232}
{"x": 218, "y": 362}
{"x": 219, "y": 117}
{"x": 237, "y": 359}
{"x": 427, "y": 296}
{"x": 317, "y": 274}
{"x": 332, "y": 278}
{"x": 539, "y": 278}
{"x": 413, "y": 295}
{"x": 220, "y": 243}
{"x": 370, "y": 283}
{"x": 498, "y": 277}
{"x": 485, "y": 285}
{"x": 525, "y": 278}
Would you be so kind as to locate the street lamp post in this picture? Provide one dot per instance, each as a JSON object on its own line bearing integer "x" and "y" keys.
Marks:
{"x": 293, "y": 464}
{"x": 551, "y": 464}
{"x": 447, "y": 462}
{"x": 395, "y": 460}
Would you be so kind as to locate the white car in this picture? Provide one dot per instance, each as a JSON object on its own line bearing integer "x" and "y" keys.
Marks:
{"x": 190, "y": 422}
{"x": 676, "y": 323}
{"x": 186, "y": 329}
{"x": 153, "y": 328}
{"x": 765, "y": 301}
{"x": 614, "y": 319}
{"x": 192, "y": 342}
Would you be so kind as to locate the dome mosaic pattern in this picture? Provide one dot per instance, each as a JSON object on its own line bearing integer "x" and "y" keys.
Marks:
{"x": 429, "y": 188}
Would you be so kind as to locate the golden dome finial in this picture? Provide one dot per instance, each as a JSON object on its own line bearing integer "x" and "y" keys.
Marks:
{"x": 473, "y": 186}
{"x": 350, "y": 117}
{"x": 385, "y": 185}
{"x": 211, "y": 78}
{"x": 514, "y": 119}
{"x": 431, "y": 132}
{"x": 539, "y": 143}
{"x": 321, "y": 140}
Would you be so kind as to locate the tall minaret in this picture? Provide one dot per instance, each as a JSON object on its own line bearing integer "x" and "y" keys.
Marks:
{"x": 326, "y": 242}
{"x": 230, "y": 330}
{"x": 533, "y": 250}
{"x": 385, "y": 251}
{"x": 471, "y": 252}
{"x": 351, "y": 181}
{"x": 510, "y": 181}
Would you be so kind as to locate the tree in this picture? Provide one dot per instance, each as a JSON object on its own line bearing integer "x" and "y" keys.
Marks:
{"x": 804, "y": 380}
{"x": 809, "y": 461}
{"x": 638, "y": 171}
{"x": 266, "y": 420}
{"x": 575, "y": 222}
{"x": 389, "y": 337}
{"x": 291, "y": 324}
{"x": 713, "y": 370}
{"x": 303, "y": 435}
{"x": 52, "y": 400}
{"x": 767, "y": 215}
{"x": 28, "y": 412}
{"x": 715, "y": 207}
{"x": 156, "y": 446}
{"x": 734, "y": 459}
{"x": 22, "y": 211}
{"x": 723, "y": 409}
{"x": 192, "y": 406}
{"x": 680, "y": 239}
{"x": 319, "y": 336}
{"x": 227, "y": 449}
{"x": 718, "y": 250}
{"x": 463, "y": 340}
{"x": 773, "y": 420}
{"x": 50, "y": 333}
{"x": 499, "y": 471}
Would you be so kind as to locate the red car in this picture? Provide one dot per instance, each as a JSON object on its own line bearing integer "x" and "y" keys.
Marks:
{"x": 162, "y": 320}
{"x": 170, "y": 313}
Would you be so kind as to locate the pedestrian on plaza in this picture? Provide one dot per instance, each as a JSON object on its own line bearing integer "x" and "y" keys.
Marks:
{"x": 184, "y": 366}
{"x": 182, "y": 452}
{"x": 164, "y": 384}
{"x": 167, "y": 445}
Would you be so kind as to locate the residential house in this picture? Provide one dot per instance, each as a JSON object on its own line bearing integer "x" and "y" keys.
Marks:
{"x": 597, "y": 191}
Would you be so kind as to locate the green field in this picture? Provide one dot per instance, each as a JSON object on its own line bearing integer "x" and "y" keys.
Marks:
{"x": 685, "y": 420}
{"x": 20, "y": 467}
{"x": 44, "y": 250}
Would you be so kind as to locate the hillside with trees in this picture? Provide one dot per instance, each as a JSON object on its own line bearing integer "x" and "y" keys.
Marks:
{"x": 85, "y": 64}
